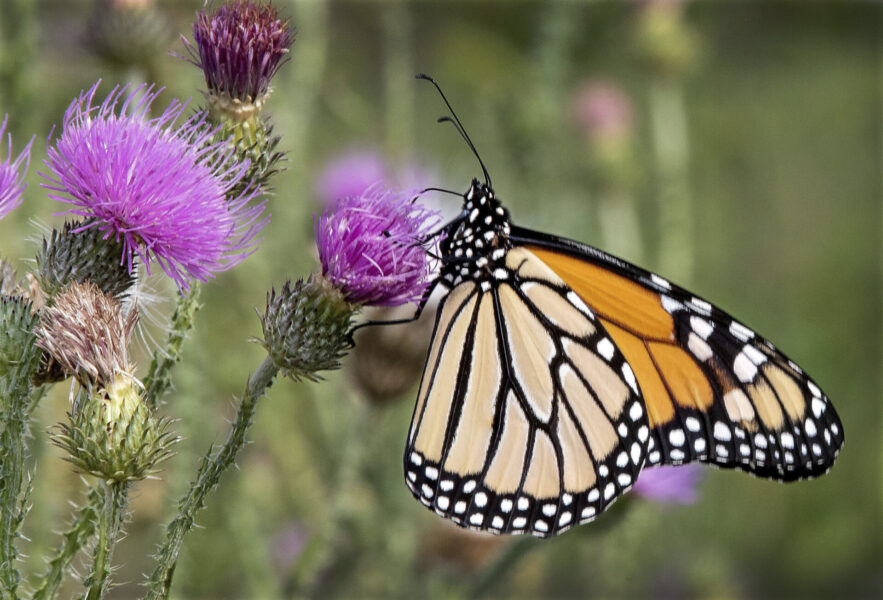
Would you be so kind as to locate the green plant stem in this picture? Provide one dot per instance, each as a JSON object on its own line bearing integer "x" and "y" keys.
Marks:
{"x": 110, "y": 525}
{"x": 15, "y": 390}
{"x": 73, "y": 540}
{"x": 672, "y": 154}
{"x": 159, "y": 376}
{"x": 213, "y": 466}
{"x": 13, "y": 449}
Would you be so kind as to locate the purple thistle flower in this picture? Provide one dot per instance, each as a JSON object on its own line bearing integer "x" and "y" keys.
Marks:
{"x": 160, "y": 190}
{"x": 350, "y": 174}
{"x": 373, "y": 247}
{"x": 11, "y": 180}
{"x": 674, "y": 485}
{"x": 240, "y": 47}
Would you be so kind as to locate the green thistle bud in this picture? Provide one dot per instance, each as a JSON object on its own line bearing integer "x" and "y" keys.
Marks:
{"x": 128, "y": 33}
{"x": 113, "y": 435}
{"x": 70, "y": 256}
{"x": 306, "y": 327}
{"x": 253, "y": 140}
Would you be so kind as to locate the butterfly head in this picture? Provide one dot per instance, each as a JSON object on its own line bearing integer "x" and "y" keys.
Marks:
{"x": 479, "y": 237}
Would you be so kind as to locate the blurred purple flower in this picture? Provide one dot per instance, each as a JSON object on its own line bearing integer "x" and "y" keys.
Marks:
{"x": 675, "y": 485}
{"x": 372, "y": 247}
{"x": 160, "y": 190}
{"x": 11, "y": 179}
{"x": 350, "y": 175}
{"x": 603, "y": 110}
{"x": 287, "y": 545}
{"x": 240, "y": 47}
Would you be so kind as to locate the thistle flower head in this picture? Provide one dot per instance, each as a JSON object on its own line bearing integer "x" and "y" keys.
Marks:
{"x": 11, "y": 173}
{"x": 240, "y": 47}
{"x": 373, "y": 247}
{"x": 161, "y": 191}
{"x": 86, "y": 332}
{"x": 674, "y": 485}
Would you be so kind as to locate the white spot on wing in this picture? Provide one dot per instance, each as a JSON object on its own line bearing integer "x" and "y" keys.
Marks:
{"x": 743, "y": 367}
{"x": 660, "y": 281}
{"x": 722, "y": 432}
{"x": 740, "y": 331}
{"x": 670, "y": 304}
{"x": 579, "y": 304}
{"x": 698, "y": 347}
{"x": 630, "y": 379}
{"x": 702, "y": 327}
{"x": 677, "y": 437}
{"x": 701, "y": 305}
{"x": 606, "y": 348}
{"x": 754, "y": 355}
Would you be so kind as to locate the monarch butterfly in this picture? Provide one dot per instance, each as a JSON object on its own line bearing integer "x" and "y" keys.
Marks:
{"x": 556, "y": 372}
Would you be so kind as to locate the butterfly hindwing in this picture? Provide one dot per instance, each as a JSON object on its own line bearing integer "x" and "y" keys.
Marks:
{"x": 528, "y": 419}
{"x": 715, "y": 391}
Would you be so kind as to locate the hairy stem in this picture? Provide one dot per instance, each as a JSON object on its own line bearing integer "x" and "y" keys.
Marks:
{"x": 15, "y": 388}
{"x": 159, "y": 377}
{"x": 110, "y": 526}
{"x": 213, "y": 466}
{"x": 13, "y": 451}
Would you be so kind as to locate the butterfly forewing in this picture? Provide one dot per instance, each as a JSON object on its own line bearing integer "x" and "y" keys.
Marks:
{"x": 714, "y": 390}
{"x": 529, "y": 419}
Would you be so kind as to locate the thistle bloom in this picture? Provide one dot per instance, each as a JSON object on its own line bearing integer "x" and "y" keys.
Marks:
{"x": 373, "y": 247}
{"x": 159, "y": 190}
{"x": 11, "y": 180}
{"x": 239, "y": 48}
{"x": 674, "y": 485}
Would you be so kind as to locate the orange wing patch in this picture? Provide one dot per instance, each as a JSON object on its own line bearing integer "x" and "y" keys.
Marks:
{"x": 644, "y": 332}
{"x": 607, "y": 293}
{"x": 686, "y": 381}
{"x": 656, "y": 398}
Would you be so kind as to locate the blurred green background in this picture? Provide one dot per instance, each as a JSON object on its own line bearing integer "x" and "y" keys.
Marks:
{"x": 734, "y": 147}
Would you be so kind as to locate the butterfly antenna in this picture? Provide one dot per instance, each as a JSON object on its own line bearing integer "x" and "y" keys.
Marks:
{"x": 438, "y": 189}
{"x": 458, "y": 124}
